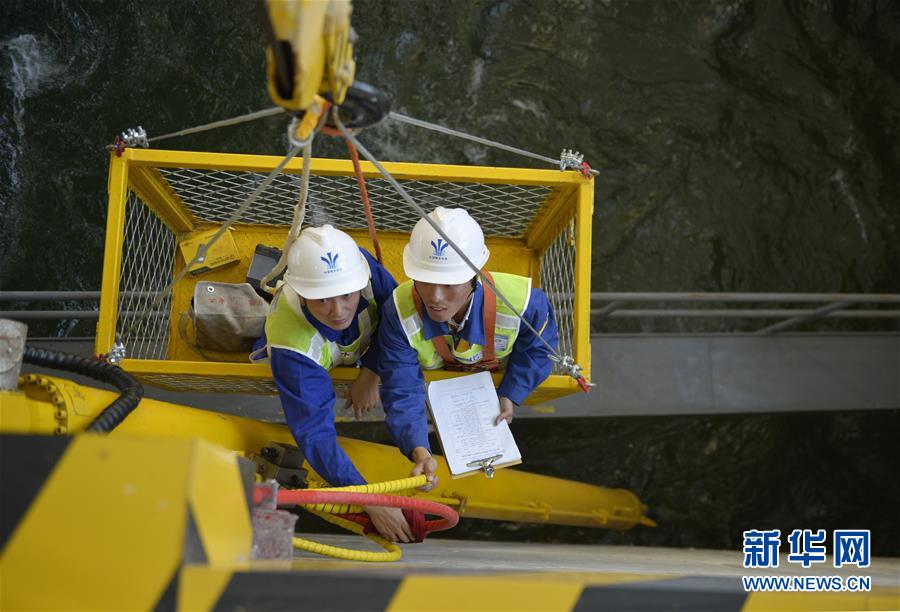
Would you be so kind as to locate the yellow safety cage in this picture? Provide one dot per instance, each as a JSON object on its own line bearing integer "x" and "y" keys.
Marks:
{"x": 537, "y": 223}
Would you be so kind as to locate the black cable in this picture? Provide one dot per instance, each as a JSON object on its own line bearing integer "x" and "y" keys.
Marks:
{"x": 115, "y": 413}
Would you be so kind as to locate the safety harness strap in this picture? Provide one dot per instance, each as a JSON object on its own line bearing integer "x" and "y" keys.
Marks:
{"x": 488, "y": 358}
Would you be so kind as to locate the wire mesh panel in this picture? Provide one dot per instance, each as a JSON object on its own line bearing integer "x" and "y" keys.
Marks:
{"x": 212, "y": 384}
{"x": 558, "y": 282}
{"x": 148, "y": 253}
{"x": 213, "y": 195}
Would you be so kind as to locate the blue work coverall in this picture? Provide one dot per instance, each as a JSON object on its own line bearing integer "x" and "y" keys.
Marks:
{"x": 307, "y": 393}
{"x": 402, "y": 380}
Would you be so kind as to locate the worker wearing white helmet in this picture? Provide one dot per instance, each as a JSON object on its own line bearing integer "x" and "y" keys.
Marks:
{"x": 443, "y": 317}
{"x": 326, "y": 315}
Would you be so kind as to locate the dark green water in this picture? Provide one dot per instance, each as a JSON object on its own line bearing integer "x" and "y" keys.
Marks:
{"x": 744, "y": 146}
{"x": 706, "y": 479}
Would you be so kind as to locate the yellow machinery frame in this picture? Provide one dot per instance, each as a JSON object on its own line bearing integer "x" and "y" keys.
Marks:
{"x": 569, "y": 205}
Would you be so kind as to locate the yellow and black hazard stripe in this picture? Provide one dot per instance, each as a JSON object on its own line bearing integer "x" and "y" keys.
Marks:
{"x": 208, "y": 588}
{"x": 25, "y": 464}
{"x": 109, "y": 521}
{"x": 141, "y": 523}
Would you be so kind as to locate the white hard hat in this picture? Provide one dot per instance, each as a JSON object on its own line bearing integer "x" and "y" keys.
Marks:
{"x": 325, "y": 262}
{"x": 429, "y": 259}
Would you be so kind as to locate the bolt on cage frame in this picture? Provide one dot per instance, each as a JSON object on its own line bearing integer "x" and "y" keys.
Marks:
{"x": 536, "y": 223}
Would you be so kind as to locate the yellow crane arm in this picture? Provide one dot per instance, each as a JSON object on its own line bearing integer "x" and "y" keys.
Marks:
{"x": 310, "y": 51}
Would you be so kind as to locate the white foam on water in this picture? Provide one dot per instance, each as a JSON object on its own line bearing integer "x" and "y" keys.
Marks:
{"x": 529, "y": 106}
{"x": 477, "y": 76}
{"x": 32, "y": 65}
{"x": 839, "y": 179}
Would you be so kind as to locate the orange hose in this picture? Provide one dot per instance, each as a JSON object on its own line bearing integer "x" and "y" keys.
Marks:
{"x": 363, "y": 192}
{"x": 364, "y": 195}
{"x": 290, "y": 497}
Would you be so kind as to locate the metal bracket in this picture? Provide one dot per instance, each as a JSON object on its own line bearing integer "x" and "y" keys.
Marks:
{"x": 282, "y": 463}
{"x": 567, "y": 363}
{"x": 117, "y": 353}
{"x": 570, "y": 159}
{"x": 135, "y": 137}
{"x": 130, "y": 138}
{"x": 486, "y": 464}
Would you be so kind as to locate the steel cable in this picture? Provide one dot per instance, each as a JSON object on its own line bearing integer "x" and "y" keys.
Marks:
{"x": 554, "y": 355}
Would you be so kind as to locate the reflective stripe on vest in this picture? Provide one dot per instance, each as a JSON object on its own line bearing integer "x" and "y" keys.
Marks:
{"x": 517, "y": 290}
{"x": 488, "y": 359}
{"x": 288, "y": 328}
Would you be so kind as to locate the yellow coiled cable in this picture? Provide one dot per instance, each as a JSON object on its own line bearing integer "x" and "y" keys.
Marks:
{"x": 393, "y": 552}
{"x": 403, "y": 486}
{"x": 328, "y": 511}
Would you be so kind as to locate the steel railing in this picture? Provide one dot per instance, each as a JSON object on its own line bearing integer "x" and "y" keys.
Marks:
{"x": 805, "y": 307}
{"x": 60, "y": 296}
{"x": 826, "y": 306}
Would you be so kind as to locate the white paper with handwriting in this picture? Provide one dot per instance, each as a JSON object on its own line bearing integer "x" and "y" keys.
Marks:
{"x": 464, "y": 409}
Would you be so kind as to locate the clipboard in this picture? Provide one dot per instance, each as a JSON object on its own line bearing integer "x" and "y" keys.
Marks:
{"x": 463, "y": 410}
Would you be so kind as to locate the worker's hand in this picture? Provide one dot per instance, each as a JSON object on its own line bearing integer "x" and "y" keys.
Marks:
{"x": 363, "y": 393}
{"x": 506, "y": 411}
{"x": 424, "y": 464}
{"x": 390, "y": 523}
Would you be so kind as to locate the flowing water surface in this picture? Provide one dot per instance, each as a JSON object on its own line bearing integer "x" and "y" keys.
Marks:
{"x": 743, "y": 146}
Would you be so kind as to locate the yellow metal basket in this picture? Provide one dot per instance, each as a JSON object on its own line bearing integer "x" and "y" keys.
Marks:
{"x": 537, "y": 223}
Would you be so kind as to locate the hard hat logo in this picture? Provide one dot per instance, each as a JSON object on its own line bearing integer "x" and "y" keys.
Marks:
{"x": 331, "y": 260}
{"x": 325, "y": 262}
{"x": 427, "y": 258}
{"x": 439, "y": 249}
